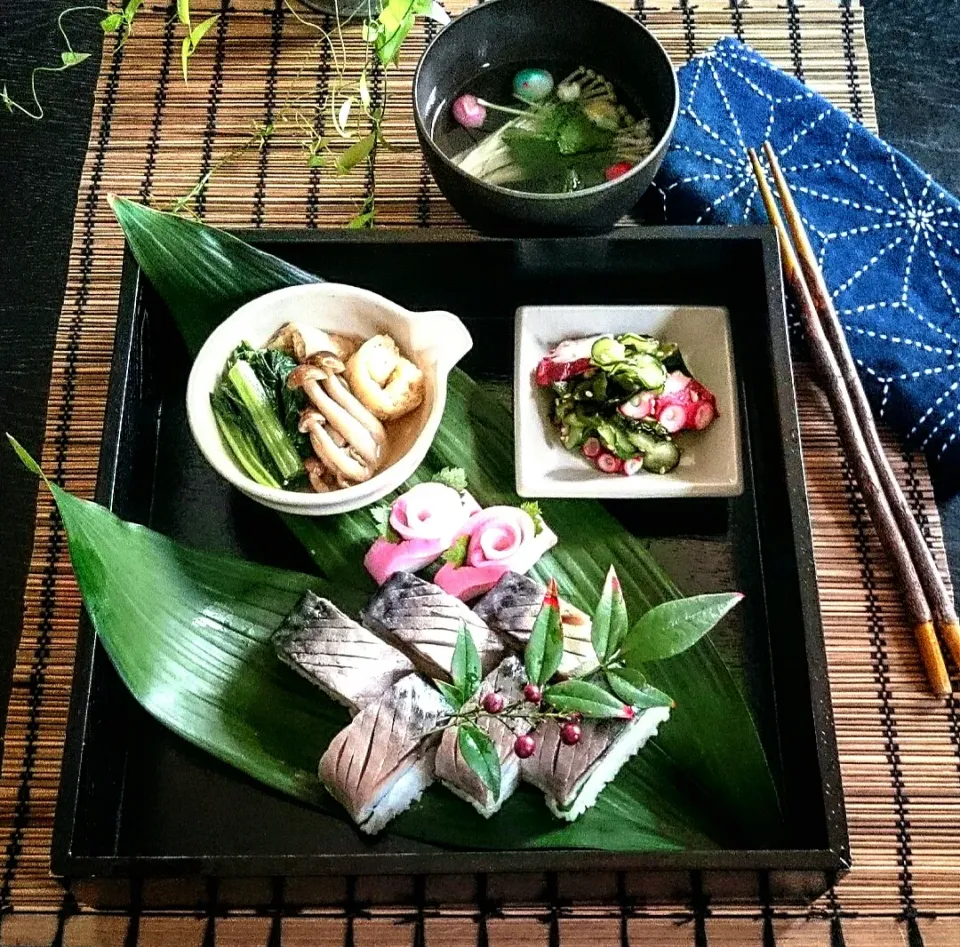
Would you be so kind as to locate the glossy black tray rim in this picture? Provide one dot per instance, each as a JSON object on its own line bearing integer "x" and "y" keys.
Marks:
{"x": 830, "y": 861}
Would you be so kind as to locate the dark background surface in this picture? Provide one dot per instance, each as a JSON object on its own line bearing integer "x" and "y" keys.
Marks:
{"x": 915, "y": 62}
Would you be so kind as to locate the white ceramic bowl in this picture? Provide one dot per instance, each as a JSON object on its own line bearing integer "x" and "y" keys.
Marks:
{"x": 436, "y": 341}
{"x": 710, "y": 463}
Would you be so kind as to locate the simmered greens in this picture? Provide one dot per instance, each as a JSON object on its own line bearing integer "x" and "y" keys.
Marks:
{"x": 257, "y": 415}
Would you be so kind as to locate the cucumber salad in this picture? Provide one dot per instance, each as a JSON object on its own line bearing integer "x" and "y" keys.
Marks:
{"x": 620, "y": 399}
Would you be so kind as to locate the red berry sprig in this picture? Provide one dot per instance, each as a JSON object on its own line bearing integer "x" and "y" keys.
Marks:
{"x": 525, "y": 746}
{"x": 570, "y": 733}
{"x": 492, "y": 703}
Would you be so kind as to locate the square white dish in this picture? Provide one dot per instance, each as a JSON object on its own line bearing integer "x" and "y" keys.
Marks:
{"x": 711, "y": 463}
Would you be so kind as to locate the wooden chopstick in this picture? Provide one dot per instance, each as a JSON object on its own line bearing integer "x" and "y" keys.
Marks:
{"x": 934, "y": 588}
{"x": 857, "y": 436}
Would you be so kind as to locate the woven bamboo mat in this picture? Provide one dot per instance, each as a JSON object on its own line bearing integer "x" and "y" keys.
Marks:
{"x": 154, "y": 137}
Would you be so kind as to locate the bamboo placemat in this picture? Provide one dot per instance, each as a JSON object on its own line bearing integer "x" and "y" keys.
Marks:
{"x": 154, "y": 137}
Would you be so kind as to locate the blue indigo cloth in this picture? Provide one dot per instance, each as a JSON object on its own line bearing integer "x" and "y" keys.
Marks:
{"x": 886, "y": 235}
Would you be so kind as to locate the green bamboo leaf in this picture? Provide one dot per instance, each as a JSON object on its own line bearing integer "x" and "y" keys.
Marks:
{"x": 544, "y": 649}
{"x": 188, "y": 262}
{"x": 25, "y": 458}
{"x": 357, "y": 152}
{"x": 586, "y": 698}
{"x": 632, "y": 686}
{"x": 465, "y": 667}
{"x": 480, "y": 755}
{"x": 130, "y": 10}
{"x": 671, "y": 628}
{"x": 111, "y": 23}
{"x": 183, "y": 12}
{"x": 217, "y": 682}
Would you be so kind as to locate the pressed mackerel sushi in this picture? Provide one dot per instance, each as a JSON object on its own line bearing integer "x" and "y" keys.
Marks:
{"x": 346, "y": 661}
{"x": 511, "y": 607}
{"x": 423, "y": 621}
{"x": 507, "y": 679}
{"x": 571, "y": 777}
{"x": 381, "y": 763}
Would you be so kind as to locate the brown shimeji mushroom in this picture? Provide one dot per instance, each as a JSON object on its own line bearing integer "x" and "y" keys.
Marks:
{"x": 361, "y": 432}
{"x": 301, "y": 341}
{"x": 340, "y": 459}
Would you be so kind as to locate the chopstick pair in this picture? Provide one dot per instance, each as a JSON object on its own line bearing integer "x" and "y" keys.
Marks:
{"x": 925, "y": 595}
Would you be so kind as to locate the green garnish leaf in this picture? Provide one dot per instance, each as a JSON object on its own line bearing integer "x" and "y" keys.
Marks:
{"x": 364, "y": 217}
{"x": 532, "y": 509}
{"x": 189, "y": 45}
{"x": 357, "y": 152}
{"x": 578, "y": 134}
{"x": 672, "y": 627}
{"x": 110, "y": 24}
{"x": 609, "y": 626}
{"x": 381, "y": 516}
{"x": 591, "y": 700}
{"x": 544, "y": 650}
{"x": 452, "y": 694}
{"x": 456, "y": 555}
{"x": 465, "y": 668}
{"x": 186, "y": 50}
{"x": 198, "y": 32}
{"x": 391, "y": 27}
{"x": 631, "y": 686}
{"x": 72, "y": 58}
{"x": 480, "y": 755}
{"x": 453, "y": 477}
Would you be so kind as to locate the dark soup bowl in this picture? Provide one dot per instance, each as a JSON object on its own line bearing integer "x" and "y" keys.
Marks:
{"x": 501, "y": 36}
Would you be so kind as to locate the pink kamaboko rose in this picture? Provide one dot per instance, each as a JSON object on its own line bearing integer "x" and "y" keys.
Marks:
{"x": 500, "y": 539}
{"x": 427, "y": 518}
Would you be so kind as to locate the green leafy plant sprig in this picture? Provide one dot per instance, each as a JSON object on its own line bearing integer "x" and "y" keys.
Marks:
{"x": 353, "y": 108}
{"x": 618, "y": 687}
{"x": 69, "y": 58}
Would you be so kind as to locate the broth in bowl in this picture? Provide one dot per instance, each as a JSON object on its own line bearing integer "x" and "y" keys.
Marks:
{"x": 547, "y": 128}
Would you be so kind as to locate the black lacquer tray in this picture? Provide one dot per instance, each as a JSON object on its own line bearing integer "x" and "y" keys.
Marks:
{"x": 138, "y": 803}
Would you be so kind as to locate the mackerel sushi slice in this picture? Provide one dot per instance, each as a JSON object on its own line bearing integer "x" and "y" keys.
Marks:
{"x": 381, "y": 763}
{"x": 423, "y": 621}
{"x": 571, "y": 777}
{"x": 346, "y": 661}
{"x": 510, "y": 608}
{"x": 506, "y": 679}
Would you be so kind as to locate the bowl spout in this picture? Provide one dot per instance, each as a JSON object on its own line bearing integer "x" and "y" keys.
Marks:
{"x": 446, "y": 335}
